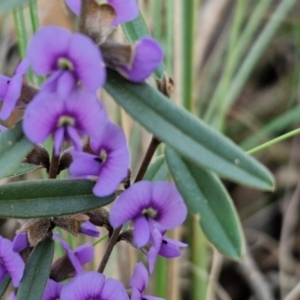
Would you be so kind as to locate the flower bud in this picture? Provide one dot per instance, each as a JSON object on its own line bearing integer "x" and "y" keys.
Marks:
{"x": 38, "y": 156}
{"x": 89, "y": 229}
{"x": 100, "y": 217}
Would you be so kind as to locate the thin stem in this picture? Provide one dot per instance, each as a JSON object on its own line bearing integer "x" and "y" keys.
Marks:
{"x": 53, "y": 165}
{"x": 82, "y": 17}
{"x": 112, "y": 242}
{"x": 274, "y": 141}
{"x": 100, "y": 240}
{"x": 148, "y": 156}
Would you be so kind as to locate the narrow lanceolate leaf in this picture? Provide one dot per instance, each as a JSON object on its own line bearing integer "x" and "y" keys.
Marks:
{"x": 137, "y": 29}
{"x": 4, "y": 284}
{"x": 46, "y": 198}
{"x": 206, "y": 196}
{"x": 158, "y": 170}
{"x": 6, "y": 5}
{"x": 186, "y": 134}
{"x": 13, "y": 148}
{"x": 37, "y": 271}
{"x": 21, "y": 169}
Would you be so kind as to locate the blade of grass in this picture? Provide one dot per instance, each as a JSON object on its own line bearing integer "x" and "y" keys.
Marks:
{"x": 274, "y": 141}
{"x": 280, "y": 123}
{"x": 257, "y": 50}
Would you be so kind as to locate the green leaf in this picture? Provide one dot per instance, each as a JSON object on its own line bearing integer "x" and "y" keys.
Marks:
{"x": 137, "y": 29}
{"x": 158, "y": 170}
{"x": 206, "y": 196}
{"x": 4, "y": 284}
{"x": 46, "y": 198}
{"x": 6, "y": 5}
{"x": 186, "y": 134}
{"x": 21, "y": 169}
{"x": 13, "y": 148}
{"x": 37, "y": 271}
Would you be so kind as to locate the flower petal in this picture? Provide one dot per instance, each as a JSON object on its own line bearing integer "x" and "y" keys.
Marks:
{"x": 75, "y": 6}
{"x": 41, "y": 116}
{"x": 114, "y": 289}
{"x": 72, "y": 257}
{"x": 84, "y": 164}
{"x": 169, "y": 203}
{"x": 89, "y": 229}
{"x": 88, "y": 62}
{"x": 126, "y": 11}
{"x": 52, "y": 290}
{"x": 20, "y": 242}
{"x": 58, "y": 139}
{"x": 74, "y": 137}
{"x": 12, "y": 95}
{"x": 140, "y": 277}
{"x": 65, "y": 83}
{"x": 48, "y": 44}
{"x": 4, "y": 81}
{"x": 84, "y": 253}
{"x": 156, "y": 240}
{"x": 23, "y": 66}
{"x": 148, "y": 56}
{"x": 85, "y": 286}
{"x": 11, "y": 261}
{"x": 130, "y": 203}
{"x": 141, "y": 231}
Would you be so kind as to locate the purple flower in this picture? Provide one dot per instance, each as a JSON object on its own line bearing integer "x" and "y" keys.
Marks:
{"x": 52, "y": 290}
{"x": 110, "y": 163}
{"x": 92, "y": 285}
{"x": 79, "y": 256}
{"x": 68, "y": 118}
{"x": 126, "y": 10}
{"x": 138, "y": 283}
{"x": 163, "y": 246}
{"x": 148, "y": 204}
{"x": 10, "y": 89}
{"x": 148, "y": 56}
{"x": 68, "y": 57}
{"x": 10, "y": 262}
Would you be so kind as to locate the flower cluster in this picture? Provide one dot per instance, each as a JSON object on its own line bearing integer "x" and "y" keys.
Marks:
{"x": 67, "y": 108}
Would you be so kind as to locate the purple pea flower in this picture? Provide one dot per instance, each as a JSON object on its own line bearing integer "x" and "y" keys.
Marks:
{"x": 10, "y": 89}
{"x": 92, "y": 285}
{"x": 78, "y": 257}
{"x": 138, "y": 283}
{"x": 163, "y": 246}
{"x": 148, "y": 55}
{"x": 10, "y": 262}
{"x": 126, "y": 10}
{"x": 69, "y": 118}
{"x": 110, "y": 163}
{"x": 148, "y": 204}
{"x": 68, "y": 57}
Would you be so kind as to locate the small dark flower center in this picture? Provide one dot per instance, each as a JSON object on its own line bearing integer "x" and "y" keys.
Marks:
{"x": 65, "y": 64}
{"x": 149, "y": 212}
{"x": 65, "y": 120}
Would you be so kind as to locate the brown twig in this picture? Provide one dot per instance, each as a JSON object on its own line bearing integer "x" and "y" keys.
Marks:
{"x": 110, "y": 246}
{"x": 53, "y": 165}
{"x": 146, "y": 161}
